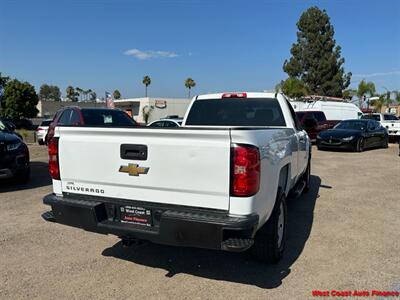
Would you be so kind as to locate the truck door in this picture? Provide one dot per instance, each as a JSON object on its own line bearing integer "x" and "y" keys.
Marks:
{"x": 300, "y": 158}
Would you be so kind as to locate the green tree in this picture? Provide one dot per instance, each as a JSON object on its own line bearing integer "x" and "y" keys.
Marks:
{"x": 49, "y": 93}
{"x": 380, "y": 102}
{"x": 79, "y": 93}
{"x": 316, "y": 60}
{"x": 92, "y": 96}
{"x": 349, "y": 93}
{"x": 19, "y": 100}
{"x": 397, "y": 96}
{"x": 72, "y": 95}
{"x": 116, "y": 94}
{"x": 86, "y": 94}
{"x": 146, "y": 81}
{"x": 189, "y": 84}
{"x": 292, "y": 87}
{"x": 364, "y": 88}
{"x": 4, "y": 80}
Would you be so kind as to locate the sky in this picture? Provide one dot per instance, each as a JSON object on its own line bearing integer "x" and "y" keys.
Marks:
{"x": 105, "y": 45}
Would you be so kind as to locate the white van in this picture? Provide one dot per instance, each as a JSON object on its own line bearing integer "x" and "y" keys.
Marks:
{"x": 334, "y": 110}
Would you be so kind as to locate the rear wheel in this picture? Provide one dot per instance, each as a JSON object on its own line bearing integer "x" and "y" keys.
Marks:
{"x": 360, "y": 145}
{"x": 385, "y": 143}
{"x": 269, "y": 242}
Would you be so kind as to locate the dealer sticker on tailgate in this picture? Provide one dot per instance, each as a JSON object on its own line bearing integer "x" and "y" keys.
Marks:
{"x": 135, "y": 215}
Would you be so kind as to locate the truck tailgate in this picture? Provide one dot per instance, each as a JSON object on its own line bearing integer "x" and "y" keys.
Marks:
{"x": 183, "y": 166}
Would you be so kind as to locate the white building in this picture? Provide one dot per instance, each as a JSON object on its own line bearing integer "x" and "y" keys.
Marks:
{"x": 158, "y": 107}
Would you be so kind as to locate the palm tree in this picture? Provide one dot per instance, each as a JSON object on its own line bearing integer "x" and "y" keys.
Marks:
{"x": 146, "y": 81}
{"x": 71, "y": 94}
{"x": 92, "y": 96}
{"x": 349, "y": 93}
{"x": 363, "y": 89}
{"x": 80, "y": 92}
{"x": 87, "y": 93}
{"x": 190, "y": 83}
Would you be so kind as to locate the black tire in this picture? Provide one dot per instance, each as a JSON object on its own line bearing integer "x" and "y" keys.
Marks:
{"x": 266, "y": 246}
{"x": 24, "y": 176}
{"x": 385, "y": 143}
{"x": 360, "y": 145}
{"x": 41, "y": 142}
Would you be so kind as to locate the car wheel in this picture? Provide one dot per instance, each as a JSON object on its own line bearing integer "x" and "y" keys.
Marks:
{"x": 385, "y": 143}
{"x": 23, "y": 176}
{"x": 360, "y": 145}
{"x": 270, "y": 239}
{"x": 41, "y": 142}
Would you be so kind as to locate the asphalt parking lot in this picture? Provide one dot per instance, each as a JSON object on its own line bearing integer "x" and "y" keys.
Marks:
{"x": 343, "y": 235}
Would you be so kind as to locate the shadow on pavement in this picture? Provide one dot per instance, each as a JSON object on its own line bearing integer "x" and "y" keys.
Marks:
{"x": 226, "y": 266}
{"x": 39, "y": 177}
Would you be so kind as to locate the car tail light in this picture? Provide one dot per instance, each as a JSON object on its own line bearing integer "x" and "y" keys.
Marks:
{"x": 245, "y": 170}
{"x": 234, "y": 95}
{"x": 38, "y": 129}
{"x": 53, "y": 159}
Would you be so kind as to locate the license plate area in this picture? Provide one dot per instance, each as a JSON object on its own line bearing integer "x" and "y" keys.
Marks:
{"x": 135, "y": 215}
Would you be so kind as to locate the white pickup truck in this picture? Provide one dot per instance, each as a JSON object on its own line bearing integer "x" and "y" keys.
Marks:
{"x": 390, "y": 122}
{"x": 219, "y": 182}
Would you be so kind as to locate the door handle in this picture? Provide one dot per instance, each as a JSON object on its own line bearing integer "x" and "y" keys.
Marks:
{"x": 132, "y": 151}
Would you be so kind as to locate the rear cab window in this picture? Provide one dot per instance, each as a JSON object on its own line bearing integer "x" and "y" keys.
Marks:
{"x": 371, "y": 117}
{"x": 236, "y": 112}
{"x": 390, "y": 118}
{"x": 107, "y": 117}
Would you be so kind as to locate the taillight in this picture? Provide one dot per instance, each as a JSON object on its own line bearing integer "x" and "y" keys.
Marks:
{"x": 53, "y": 159}
{"x": 234, "y": 95}
{"x": 245, "y": 170}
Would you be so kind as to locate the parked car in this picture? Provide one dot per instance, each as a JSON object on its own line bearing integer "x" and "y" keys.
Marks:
{"x": 390, "y": 122}
{"x": 21, "y": 123}
{"x": 355, "y": 135}
{"x": 314, "y": 122}
{"x": 11, "y": 128}
{"x": 41, "y": 131}
{"x": 77, "y": 116}
{"x": 166, "y": 123}
{"x": 14, "y": 156}
{"x": 222, "y": 187}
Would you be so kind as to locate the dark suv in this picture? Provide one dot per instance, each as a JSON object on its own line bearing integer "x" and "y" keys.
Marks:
{"x": 14, "y": 156}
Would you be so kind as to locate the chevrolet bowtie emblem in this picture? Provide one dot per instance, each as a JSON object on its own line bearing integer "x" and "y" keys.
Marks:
{"x": 133, "y": 169}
